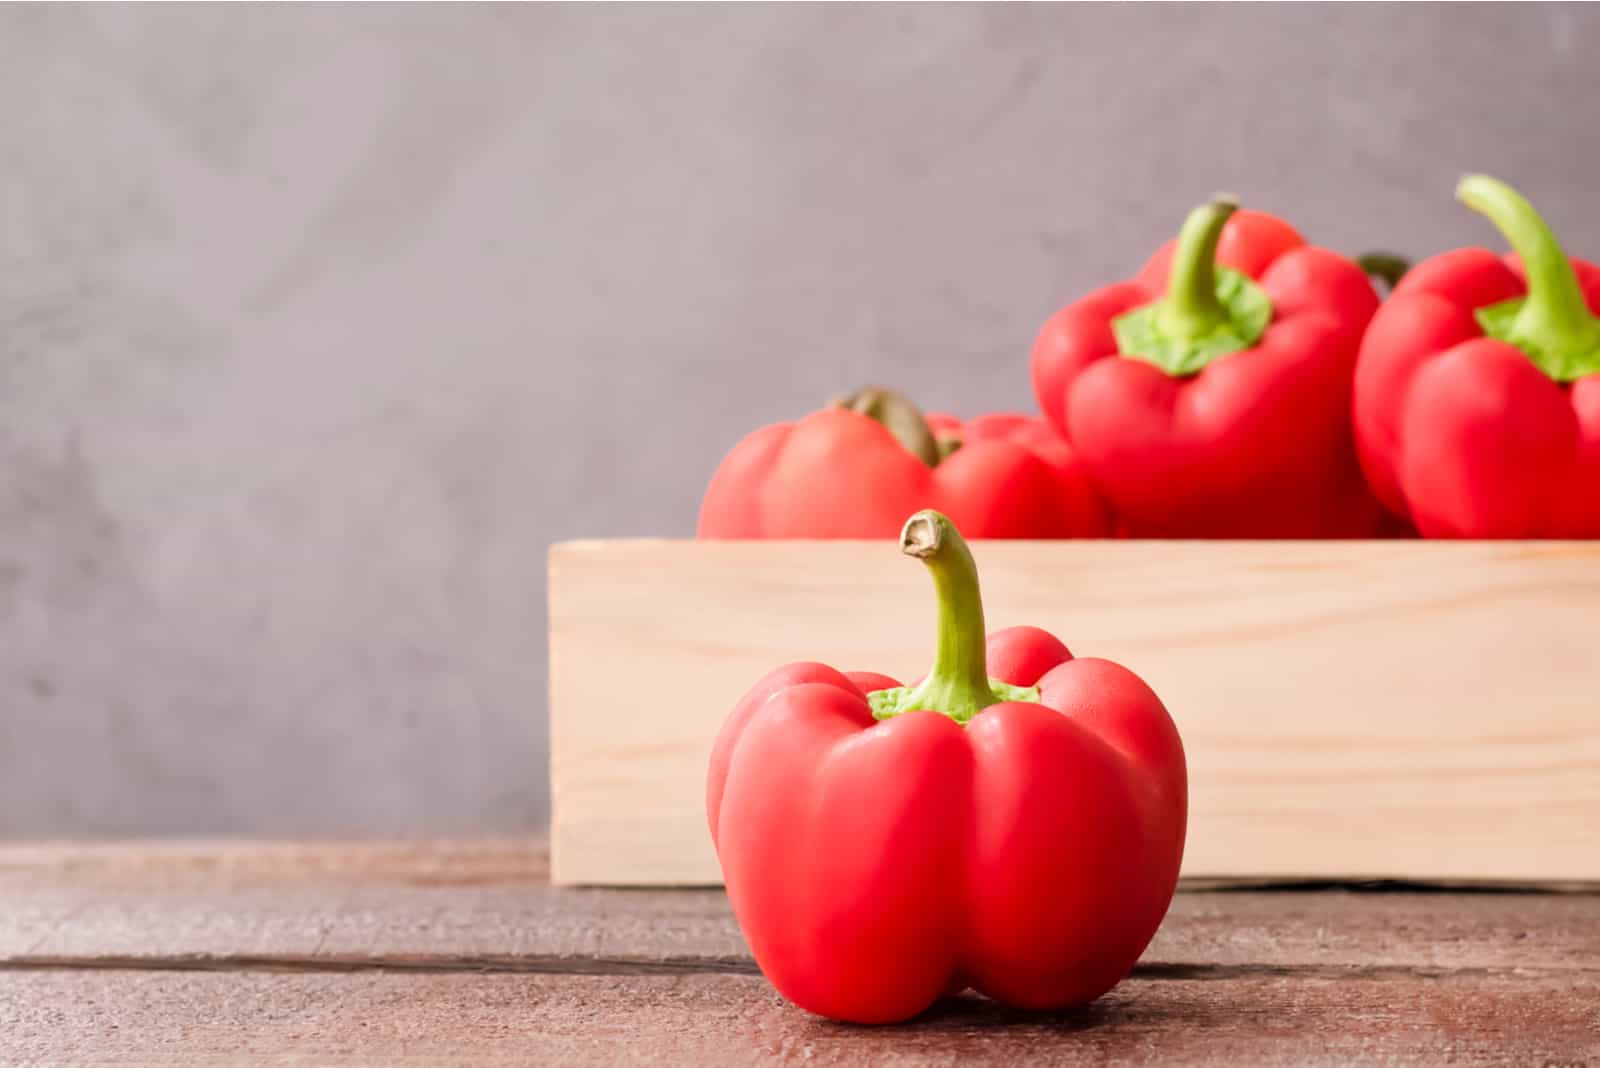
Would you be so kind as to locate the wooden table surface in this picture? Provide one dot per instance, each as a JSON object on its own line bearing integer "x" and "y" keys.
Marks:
{"x": 460, "y": 951}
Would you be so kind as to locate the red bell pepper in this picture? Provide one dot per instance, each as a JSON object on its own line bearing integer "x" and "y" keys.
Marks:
{"x": 1014, "y": 822}
{"x": 1477, "y": 393}
{"x": 857, "y": 468}
{"x": 1210, "y": 396}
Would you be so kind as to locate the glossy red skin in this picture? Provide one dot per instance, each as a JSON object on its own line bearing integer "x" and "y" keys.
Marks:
{"x": 839, "y": 474}
{"x": 1258, "y": 443}
{"x": 1463, "y": 434}
{"x": 876, "y": 866}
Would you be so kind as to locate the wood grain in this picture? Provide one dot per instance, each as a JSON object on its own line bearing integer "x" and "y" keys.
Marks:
{"x": 1353, "y": 709}
{"x": 456, "y": 952}
{"x": 487, "y": 904}
{"x": 378, "y": 1018}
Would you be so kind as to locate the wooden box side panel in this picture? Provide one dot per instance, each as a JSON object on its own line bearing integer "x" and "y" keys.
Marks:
{"x": 1349, "y": 709}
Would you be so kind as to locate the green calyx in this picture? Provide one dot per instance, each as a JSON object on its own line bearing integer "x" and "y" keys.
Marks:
{"x": 1552, "y": 325}
{"x": 1209, "y": 311}
{"x": 901, "y": 418}
{"x": 959, "y": 685}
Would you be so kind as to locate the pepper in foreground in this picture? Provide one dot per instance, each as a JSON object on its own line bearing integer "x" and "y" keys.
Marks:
{"x": 1210, "y": 396}
{"x": 1477, "y": 393}
{"x": 858, "y": 467}
{"x": 1012, "y": 823}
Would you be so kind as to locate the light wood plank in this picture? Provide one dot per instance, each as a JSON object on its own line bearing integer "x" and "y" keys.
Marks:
{"x": 1352, "y": 709}
{"x": 376, "y": 1018}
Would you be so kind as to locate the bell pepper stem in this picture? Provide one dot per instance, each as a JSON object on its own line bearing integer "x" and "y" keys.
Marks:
{"x": 959, "y": 682}
{"x": 1387, "y": 267}
{"x": 1191, "y": 308}
{"x": 959, "y": 685}
{"x": 899, "y": 416}
{"x": 1208, "y": 310}
{"x": 1554, "y": 318}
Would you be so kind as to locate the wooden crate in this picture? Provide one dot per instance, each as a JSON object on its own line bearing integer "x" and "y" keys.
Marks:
{"x": 1401, "y": 709}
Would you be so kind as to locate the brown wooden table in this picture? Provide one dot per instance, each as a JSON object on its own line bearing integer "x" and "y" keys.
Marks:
{"x": 449, "y": 951}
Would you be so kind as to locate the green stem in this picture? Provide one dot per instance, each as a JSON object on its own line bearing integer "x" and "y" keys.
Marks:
{"x": 958, "y": 685}
{"x": 1387, "y": 267}
{"x": 898, "y": 416}
{"x": 1553, "y": 323}
{"x": 1207, "y": 312}
{"x": 1191, "y": 308}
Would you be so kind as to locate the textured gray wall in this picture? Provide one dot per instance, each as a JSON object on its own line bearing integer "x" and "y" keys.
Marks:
{"x": 320, "y": 323}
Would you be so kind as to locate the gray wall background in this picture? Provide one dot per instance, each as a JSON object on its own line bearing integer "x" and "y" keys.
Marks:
{"x": 319, "y": 324}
